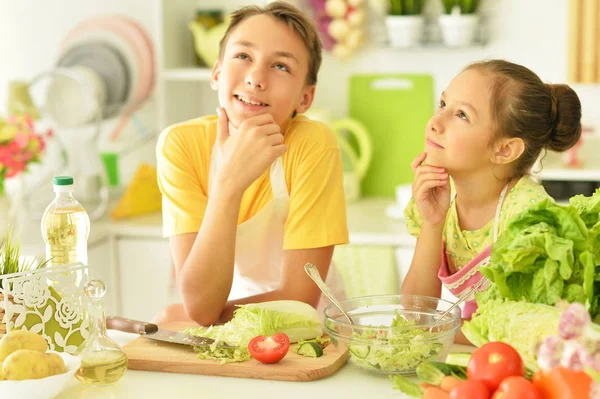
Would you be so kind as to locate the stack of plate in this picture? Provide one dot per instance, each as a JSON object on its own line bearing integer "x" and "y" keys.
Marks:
{"x": 111, "y": 55}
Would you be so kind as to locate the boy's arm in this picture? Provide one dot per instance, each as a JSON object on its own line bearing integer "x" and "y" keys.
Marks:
{"x": 295, "y": 283}
{"x": 204, "y": 261}
{"x": 422, "y": 277}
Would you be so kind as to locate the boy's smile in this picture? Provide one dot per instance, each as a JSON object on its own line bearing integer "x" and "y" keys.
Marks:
{"x": 263, "y": 70}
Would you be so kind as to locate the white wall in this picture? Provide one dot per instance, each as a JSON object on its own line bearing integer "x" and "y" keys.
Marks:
{"x": 531, "y": 32}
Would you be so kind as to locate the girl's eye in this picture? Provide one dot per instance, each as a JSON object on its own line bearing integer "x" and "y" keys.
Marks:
{"x": 242, "y": 56}
{"x": 462, "y": 115}
{"x": 442, "y": 104}
{"x": 282, "y": 67}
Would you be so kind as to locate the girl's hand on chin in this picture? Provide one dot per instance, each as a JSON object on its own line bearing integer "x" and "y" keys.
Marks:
{"x": 431, "y": 191}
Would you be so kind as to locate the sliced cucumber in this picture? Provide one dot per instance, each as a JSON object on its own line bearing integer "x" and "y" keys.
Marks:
{"x": 310, "y": 349}
{"x": 360, "y": 351}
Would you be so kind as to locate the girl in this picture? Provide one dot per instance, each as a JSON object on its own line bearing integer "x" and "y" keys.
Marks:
{"x": 493, "y": 121}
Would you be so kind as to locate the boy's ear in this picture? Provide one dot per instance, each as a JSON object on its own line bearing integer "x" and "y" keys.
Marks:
{"x": 308, "y": 95}
{"x": 216, "y": 73}
{"x": 508, "y": 150}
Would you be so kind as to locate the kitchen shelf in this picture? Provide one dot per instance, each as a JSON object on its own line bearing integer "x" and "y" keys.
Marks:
{"x": 187, "y": 74}
{"x": 570, "y": 174}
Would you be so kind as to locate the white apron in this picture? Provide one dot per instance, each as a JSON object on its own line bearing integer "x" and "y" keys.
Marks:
{"x": 259, "y": 241}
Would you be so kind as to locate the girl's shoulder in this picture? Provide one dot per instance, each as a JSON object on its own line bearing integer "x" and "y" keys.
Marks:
{"x": 527, "y": 192}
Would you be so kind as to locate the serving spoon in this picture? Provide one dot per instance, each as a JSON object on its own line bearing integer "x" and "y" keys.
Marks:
{"x": 313, "y": 273}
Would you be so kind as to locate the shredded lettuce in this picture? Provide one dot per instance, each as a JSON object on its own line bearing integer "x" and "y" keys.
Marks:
{"x": 393, "y": 350}
{"x": 298, "y": 320}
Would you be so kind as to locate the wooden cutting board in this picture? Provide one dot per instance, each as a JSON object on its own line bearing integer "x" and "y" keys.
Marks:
{"x": 151, "y": 355}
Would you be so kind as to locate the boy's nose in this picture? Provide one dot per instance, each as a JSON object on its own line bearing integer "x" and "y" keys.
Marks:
{"x": 256, "y": 79}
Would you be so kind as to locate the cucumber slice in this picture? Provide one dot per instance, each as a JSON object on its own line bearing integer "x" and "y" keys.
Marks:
{"x": 360, "y": 351}
{"x": 310, "y": 349}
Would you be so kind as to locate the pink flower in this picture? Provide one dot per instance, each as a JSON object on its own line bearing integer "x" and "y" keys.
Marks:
{"x": 550, "y": 352}
{"x": 573, "y": 321}
{"x": 13, "y": 147}
{"x": 16, "y": 168}
{"x": 22, "y": 139}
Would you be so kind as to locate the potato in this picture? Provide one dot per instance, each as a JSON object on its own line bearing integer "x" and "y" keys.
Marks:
{"x": 56, "y": 363}
{"x": 21, "y": 339}
{"x": 1, "y": 375}
{"x": 26, "y": 364}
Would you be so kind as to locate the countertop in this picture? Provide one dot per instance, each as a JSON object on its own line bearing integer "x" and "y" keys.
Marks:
{"x": 368, "y": 224}
{"x": 348, "y": 383}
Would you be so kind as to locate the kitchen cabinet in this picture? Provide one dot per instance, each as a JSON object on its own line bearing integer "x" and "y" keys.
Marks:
{"x": 144, "y": 273}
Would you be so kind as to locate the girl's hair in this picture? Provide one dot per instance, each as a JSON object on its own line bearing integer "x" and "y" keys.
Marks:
{"x": 295, "y": 19}
{"x": 544, "y": 116}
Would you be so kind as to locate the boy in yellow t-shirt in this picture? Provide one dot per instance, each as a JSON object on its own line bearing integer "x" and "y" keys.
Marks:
{"x": 251, "y": 195}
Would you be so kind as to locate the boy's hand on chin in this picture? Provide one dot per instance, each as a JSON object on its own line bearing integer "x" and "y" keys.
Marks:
{"x": 248, "y": 150}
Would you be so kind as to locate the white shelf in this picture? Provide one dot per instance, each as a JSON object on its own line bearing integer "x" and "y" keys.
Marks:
{"x": 570, "y": 174}
{"x": 187, "y": 74}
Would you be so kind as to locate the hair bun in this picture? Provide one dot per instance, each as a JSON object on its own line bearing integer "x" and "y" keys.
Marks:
{"x": 566, "y": 129}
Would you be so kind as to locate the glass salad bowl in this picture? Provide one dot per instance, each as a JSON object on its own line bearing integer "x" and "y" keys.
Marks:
{"x": 392, "y": 334}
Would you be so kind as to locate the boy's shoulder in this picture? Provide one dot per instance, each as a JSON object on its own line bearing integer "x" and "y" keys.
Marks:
{"x": 309, "y": 131}
{"x": 194, "y": 129}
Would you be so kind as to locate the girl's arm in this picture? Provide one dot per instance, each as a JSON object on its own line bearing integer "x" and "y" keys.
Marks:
{"x": 295, "y": 283}
{"x": 422, "y": 277}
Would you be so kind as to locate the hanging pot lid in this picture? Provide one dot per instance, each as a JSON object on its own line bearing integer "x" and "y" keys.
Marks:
{"x": 108, "y": 64}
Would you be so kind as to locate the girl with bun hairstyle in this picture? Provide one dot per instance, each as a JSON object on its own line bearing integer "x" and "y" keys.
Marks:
{"x": 493, "y": 122}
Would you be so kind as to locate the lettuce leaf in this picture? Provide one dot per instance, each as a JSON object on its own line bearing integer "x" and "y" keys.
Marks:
{"x": 520, "y": 324}
{"x": 547, "y": 253}
{"x": 587, "y": 207}
{"x": 298, "y": 320}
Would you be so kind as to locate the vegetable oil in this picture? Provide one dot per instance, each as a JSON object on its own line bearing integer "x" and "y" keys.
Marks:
{"x": 65, "y": 226}
{"x": 102, "y": 367}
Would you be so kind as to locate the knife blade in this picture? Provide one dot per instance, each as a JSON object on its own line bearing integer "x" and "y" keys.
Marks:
{"x": 152, "y": 331}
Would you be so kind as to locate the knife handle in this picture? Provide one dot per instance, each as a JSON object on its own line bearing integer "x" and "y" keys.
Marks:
{"x": 130, "y": 326}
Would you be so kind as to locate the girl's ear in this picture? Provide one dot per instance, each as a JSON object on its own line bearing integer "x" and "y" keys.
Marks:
{"x": 508, "y": 150}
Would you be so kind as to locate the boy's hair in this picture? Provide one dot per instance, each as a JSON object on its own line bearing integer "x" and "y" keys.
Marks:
{"x": 294, "y": 19}
{"x": 544, "y": 116}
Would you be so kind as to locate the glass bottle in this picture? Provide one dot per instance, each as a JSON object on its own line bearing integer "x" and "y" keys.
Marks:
{"x": 103, "y": 361}
{"x": 65, "y": 226}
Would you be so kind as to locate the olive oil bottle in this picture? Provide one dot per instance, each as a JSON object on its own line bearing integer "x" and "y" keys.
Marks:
{"x": 103, "y": 361}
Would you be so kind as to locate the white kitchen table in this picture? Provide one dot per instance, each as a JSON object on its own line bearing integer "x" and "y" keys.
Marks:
{"x": 348, "y": 383}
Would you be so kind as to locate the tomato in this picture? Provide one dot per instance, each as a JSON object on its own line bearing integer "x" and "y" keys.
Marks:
{"x": 494, "y": 362}
{"x": 516, "y": 388}
{"x": 470, "y": 389}
{"x": 269, "y": 349}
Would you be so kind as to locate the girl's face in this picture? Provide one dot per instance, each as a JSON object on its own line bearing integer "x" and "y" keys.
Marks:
{"x": 459, "y": 135}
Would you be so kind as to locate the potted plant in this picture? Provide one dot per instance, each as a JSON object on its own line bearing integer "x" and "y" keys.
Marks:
{"x": 459, "y": 22}
{"x": 405, "y": 22}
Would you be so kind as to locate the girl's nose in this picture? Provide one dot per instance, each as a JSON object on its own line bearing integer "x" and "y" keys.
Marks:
{"x": 435, "y": 124}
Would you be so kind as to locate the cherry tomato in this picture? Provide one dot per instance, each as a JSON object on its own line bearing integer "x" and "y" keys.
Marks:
{"x": 494, "y": 362}
{"x": 470, "y": 389}
{"x": 516, "y": 388}
{"x": 269, "y": 349}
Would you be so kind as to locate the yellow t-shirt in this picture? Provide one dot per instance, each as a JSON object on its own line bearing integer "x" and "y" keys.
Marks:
{"x": 464, "y": 245}
{"x": 313, "y": 174}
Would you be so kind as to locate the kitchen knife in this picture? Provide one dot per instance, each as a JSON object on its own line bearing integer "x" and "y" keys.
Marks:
{"x": 152, "y": 331}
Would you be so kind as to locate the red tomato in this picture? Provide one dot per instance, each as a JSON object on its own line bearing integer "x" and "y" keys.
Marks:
{"x": 470, "y": 389}
{"x": 516, "y": 388}
{"x": 269, "y": 349}
{"x": 494, "y": 362}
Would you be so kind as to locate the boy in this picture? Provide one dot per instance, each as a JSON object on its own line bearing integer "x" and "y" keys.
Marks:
{"x": 257, "y": 191}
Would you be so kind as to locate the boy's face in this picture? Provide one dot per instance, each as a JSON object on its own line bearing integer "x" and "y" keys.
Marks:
{"x": 263, "y": 70}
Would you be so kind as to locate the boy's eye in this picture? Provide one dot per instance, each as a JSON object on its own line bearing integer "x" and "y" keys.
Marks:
{"x": 282, "y": 67}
